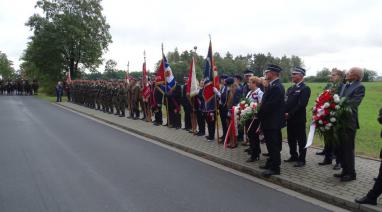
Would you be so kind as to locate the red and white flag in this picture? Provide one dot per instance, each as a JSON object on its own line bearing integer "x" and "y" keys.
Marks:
{"x": 145, "y": 84}
{"x": 192, "y": 83}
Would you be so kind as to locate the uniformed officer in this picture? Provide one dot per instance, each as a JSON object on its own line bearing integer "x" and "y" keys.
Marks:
{"x": 187, "y": 107}
{"x": 157, "y": 105}
{"x": 271, "y": 115}
{"x": 233, "y": 99}
{"x": 297, "y": 97}
{"x": 223, "y": 106}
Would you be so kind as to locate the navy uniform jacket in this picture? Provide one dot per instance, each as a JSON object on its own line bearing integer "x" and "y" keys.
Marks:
{"x": 297, "y": 98}
{"x": 186, "y": 101}
{"x": 158, "y": 97}
{"x": 223, "y": 96}
{"x": 354, "y": 94}
{"x": 271, "y": 113}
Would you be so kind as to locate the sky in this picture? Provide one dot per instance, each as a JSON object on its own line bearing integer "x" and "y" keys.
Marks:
{"x": 325, "y": 33}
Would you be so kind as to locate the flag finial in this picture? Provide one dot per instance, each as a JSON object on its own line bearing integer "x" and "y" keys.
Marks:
{"x": 144, "y": 54}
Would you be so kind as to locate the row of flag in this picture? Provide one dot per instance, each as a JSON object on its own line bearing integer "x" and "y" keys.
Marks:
{"x": 165, "y": 80}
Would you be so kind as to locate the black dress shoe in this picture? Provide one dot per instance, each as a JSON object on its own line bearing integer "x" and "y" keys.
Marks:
{"x": 209, "y": 138}
{"x": 339, "y": 175}
{"x": 337, "y": 166}
{"x": 247, "y": 150}
{"x": 299, "y": 164}
{"x": 290, "y": 160}
{"x": 252, "y": 159}
{"x": 320, "y": 153}
{"x": 348, "y": 177}
{"x": 266, "y": 154}
{"x": 264, "y": 167}
{"x": 200, "y": 134}
{"x": 365, "y": 200}
{"x": 269, "y": 173}
{"x": 325, "y": 162}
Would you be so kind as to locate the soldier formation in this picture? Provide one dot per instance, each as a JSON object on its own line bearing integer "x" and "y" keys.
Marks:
{"x": 18, "y": 87}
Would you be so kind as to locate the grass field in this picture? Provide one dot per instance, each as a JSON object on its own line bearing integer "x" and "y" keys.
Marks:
{"x": 368, "y": 141}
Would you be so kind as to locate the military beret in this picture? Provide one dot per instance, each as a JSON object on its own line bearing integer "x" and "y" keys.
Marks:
{"x": 229, "y": 81}
{"x": 299, "y": 70}
{"x": 275, "y": 68}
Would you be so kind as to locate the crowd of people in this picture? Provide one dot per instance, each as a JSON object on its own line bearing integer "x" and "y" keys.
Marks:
{"x": 277, "y": 109}
{"x": 18, "y": 87}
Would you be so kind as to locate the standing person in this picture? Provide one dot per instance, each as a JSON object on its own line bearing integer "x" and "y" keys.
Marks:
{"x": 297, "y": 98}
{"x": 122, "y": 98}
{"x": 187, "y": 107}
{"x": 200, "y": 108}
{"x": 174, "y": 100}
{"x": 271, "y": 115}
{"x": 135, "y": 93}
{"x": 246, "y": 87}
{"x": 157, "y": 105}
{"x": 331, "y": 150}
{"x": 223, "y": 106}
{"x": 254, "y": 95}
{"x": 233, "y": 99}
{"x": 354, "y": 92}
{"x": 59, "y": 91}
{"x": 376, "y": 191}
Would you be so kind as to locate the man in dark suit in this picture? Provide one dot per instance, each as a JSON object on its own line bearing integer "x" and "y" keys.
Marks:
{"x": 271, "y": 115}
{"x": 354, "y": 92}
{"x": 187, "y": 107}
{"x": 297, "y": 97}
{"x": 376, "y": 191}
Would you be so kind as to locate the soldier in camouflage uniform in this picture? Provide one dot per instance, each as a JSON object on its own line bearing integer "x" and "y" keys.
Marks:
{"x": 122, "y": 98}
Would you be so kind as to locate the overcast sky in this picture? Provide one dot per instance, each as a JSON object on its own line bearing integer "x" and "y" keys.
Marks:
{"x": 323, "y": 33}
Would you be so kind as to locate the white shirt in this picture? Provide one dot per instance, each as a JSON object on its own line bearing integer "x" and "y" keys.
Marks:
{"x": 255, "y": 96}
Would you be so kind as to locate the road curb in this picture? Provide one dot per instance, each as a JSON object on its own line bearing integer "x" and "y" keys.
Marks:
{"x": 279, "y": 180}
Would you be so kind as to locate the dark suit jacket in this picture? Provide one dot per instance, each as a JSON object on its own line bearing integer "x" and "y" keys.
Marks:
{"x": 296, "y": 101}
{"x": 271, "y": 113}
{"x": 354, "y": 94}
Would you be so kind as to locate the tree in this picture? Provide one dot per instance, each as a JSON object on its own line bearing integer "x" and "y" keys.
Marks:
{"x": 6, "y": 69}
{"x": 369, "y": 75}
{"x": 71, "y": 33}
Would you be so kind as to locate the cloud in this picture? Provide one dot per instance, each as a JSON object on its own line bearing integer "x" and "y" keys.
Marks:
{"x": 324, "y": 33}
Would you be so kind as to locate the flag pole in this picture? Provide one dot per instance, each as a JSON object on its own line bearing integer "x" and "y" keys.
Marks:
{"x": 216, "y": 108}
{"x": 165, "y": 84}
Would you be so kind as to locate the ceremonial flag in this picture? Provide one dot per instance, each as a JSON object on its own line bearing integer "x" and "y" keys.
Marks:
{"x": 170, "y": 79}
{"x": 145, "y": 84}
{"x": 192, "y": 83}
{"x": 165, "y": 76}
{"x": 160, "y": 81}
{"x": 211, "y": 78}
{"x": 68, "y": 78}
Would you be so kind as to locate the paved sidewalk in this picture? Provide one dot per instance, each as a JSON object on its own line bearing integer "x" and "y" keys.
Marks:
{"x": 313, "y": 180}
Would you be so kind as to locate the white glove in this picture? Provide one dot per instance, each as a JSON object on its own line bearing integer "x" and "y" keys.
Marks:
{"x": 216, "y": 92}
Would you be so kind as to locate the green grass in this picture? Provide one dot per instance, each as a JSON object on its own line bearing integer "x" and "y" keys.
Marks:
{"x": 368, "y": 140}
{"x": 49, "y": 98}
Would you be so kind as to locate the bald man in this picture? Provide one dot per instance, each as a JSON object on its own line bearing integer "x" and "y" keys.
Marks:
{"x": 354, "y": 92}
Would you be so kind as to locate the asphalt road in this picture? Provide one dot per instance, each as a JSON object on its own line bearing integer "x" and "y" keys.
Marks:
{"x": 54, "y": 160}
